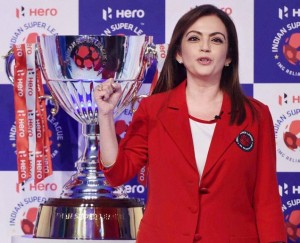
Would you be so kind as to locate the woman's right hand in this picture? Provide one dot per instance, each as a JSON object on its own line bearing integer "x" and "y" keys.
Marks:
{"x": 106, "y": 96}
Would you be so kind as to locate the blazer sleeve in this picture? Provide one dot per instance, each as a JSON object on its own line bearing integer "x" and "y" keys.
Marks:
{"x": 267, "y": 202}
{"x": 133, "y": 150}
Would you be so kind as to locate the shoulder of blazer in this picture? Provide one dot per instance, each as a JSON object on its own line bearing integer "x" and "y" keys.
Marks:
{"x": 172, "y": 98}
{"x": 262, "y": 110}
{"x": 156, "y": 101}
{"x": 257, "y": 104}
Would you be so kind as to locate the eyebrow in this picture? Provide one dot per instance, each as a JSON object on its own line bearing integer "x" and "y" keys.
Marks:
{"x": 200, "y": 33}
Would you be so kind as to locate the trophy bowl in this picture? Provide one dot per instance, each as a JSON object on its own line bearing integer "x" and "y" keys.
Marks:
{"x": 72, "y": 66}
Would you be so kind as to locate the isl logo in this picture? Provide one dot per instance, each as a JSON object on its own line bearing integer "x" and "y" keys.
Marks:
{"x": 292, "y": 222}
{"x": 28, "y": 220}
{"x": 291, "y": 49}
{"x": 87, "y": 53}
{"x": 87, "y": 57}
{"x": 287, "y": 134}
{"x": 286, "y": 49}
{"x": 291, "y": 135}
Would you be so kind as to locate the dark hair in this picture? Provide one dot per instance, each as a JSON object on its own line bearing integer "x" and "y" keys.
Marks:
{"x": 173, "y": 73}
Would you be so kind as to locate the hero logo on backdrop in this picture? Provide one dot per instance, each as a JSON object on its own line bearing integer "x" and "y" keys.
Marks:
{"x": 286, "y": 99}
{"x": 287, "y": 189}
{"x": 109, "y": 13}
{"x": 286, "y": 12}
{"x": 40, "y": 187}
{"x": 132, "y": 189}
{"x": 35, "y": 12}
{"x": 286, "y": 43}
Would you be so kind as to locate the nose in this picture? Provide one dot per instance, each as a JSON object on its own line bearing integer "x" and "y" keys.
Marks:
{"x": 204, "y": 46}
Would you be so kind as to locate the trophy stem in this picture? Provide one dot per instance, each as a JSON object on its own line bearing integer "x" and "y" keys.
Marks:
{"x": 89, "y": 208}
{"x": 89, "y": 182}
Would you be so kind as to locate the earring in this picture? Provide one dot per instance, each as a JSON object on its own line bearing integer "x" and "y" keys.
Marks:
{"x": 227, "y": 64}
{"x": 180, "y": 62}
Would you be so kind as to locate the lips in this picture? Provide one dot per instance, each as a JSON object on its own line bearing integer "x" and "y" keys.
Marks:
{"x": 204, "y": 60}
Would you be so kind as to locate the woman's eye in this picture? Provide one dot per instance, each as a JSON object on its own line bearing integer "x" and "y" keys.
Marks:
{"x": 193, "y": 38}
{"x": 217, "y": 40}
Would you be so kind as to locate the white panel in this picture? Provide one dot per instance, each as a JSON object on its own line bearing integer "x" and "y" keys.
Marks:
{"x": 17, "y": 205}
{"x": 21, "y": 19}
{"x": 283, "y": 101}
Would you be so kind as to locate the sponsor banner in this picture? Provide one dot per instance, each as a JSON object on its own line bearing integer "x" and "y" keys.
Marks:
{"x": 277, "y": 42}
{"x": 289, "y": 189}
{"x": 63, "y": 132}
{"x": 22, "y": 21}
{"x": 116, "y": 17}
{"x": 19, "y": 209}
{"x": 135, "y": 189}
{"x": 283, "y": 101}
{"x": 241, "y": 13}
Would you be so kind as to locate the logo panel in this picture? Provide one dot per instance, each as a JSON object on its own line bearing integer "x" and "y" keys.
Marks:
{"x": 116, "y": 17}
{"x": 283, "y": 101}
{"x": 289, "y": 189}
{"x": 277, "y": 47}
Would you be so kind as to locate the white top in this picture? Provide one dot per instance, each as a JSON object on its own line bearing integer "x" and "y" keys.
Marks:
{"x": 202, "y": 132}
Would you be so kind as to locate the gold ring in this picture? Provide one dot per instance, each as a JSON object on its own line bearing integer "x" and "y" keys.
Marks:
{"x": 113, "y": 88}
{"x": 100, "y": 87}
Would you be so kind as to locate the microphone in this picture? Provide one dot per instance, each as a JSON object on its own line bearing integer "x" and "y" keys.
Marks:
{"x": 218, "y": 117}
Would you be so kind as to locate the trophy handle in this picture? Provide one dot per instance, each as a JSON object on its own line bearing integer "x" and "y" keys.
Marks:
{"x": 136, "y": 98}
{"x": 54, "y": 110}
{"x": 9, "y": 58}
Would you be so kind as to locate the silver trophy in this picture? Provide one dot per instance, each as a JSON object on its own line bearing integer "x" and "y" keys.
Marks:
{"x": 89, "y": 208}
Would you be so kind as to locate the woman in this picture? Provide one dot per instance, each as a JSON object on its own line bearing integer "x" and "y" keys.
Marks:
{"x": 209, "y": 149}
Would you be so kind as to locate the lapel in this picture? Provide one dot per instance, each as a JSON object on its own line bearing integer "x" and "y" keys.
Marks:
{"x": 175, "y": 119}
{"x": 224, "y": 135}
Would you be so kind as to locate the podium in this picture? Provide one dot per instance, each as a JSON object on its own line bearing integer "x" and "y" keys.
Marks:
{"x": 30, "y": 239}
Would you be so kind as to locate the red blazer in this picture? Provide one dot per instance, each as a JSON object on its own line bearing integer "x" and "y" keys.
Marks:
{"x": 236, "y": 200}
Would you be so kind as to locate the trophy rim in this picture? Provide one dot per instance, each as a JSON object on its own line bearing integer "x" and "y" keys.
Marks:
{"x": 99, "y": 202}
{"x": 93, "y": 80}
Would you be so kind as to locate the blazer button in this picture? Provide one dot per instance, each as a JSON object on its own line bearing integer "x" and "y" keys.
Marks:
{"x": 203, "y": 190}
{"x": 193, "y": 209}
{"x": 197, "y": 237}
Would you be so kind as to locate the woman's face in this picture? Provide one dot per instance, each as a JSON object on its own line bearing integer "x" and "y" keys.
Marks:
{"x": 204, "y": 48}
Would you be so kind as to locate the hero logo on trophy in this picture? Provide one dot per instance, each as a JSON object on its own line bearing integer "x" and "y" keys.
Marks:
{"x": 72, "y": 67}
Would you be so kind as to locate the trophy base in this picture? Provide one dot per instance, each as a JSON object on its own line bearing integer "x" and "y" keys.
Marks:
{"x": 97, "y": 219}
